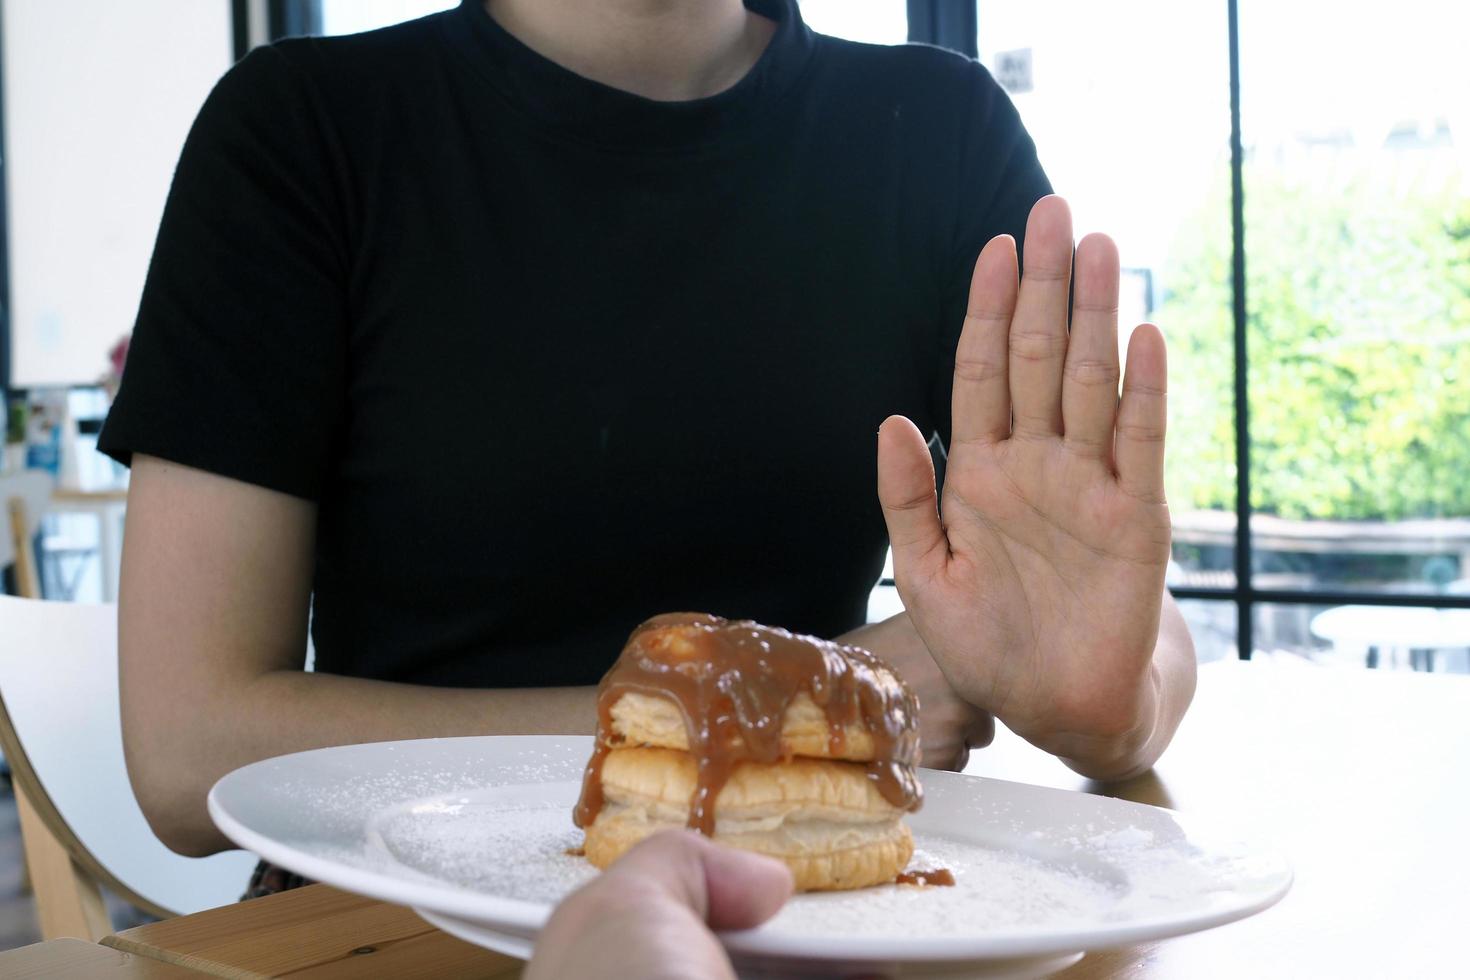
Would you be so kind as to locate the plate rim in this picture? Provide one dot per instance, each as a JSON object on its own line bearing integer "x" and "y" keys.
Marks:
{"x": 518, "y": 914}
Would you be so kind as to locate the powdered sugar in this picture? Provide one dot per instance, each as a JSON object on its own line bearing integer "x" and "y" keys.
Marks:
{"x": 994, "y": 891}
{"x": 510, "y": 850}
{"x": 514, "y": 842}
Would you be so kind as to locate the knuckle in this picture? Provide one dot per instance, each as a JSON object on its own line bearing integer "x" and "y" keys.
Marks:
{"x": 1034, "y": 427}
{"x": 917, "y": 502}
{"x": 1141, "y": 431}
{"x": 978, "y": 369}
{"x": 1038, "y": 272}
{"x": 1093, "y": 373}
{"x": 1037, "y": 345}
{"x": 1138, "y": 389}
{"x": 1085, "y": 445}
{"x": 990, "y": 317}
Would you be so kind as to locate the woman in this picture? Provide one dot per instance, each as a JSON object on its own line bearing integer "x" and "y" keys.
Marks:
{"x": 479, "y": 339}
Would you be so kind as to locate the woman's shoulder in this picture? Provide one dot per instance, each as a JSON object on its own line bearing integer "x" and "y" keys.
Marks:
{"x": 931, "y": 94}
{"x": 346, "y": 67}
{"x": 921, "y": 70}
{"x": 350, "y": 85}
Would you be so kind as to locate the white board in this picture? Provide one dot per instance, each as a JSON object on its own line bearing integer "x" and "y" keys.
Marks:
{"x": 99, "y": 96}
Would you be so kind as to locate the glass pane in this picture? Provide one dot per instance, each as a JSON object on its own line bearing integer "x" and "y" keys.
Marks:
{"x": 1212, "y": 625}
{"x": 1357, "y": 196}
{"x": 1379, "y": 637}
{"x": 1129, "y": 104}
{"x": 875, "y": 21}
{"x": 352, "y": 16}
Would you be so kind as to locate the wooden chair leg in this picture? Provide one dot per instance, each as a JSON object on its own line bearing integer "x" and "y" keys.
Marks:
{"x": 68, "y": 902}
{"x": 27, "y": 585}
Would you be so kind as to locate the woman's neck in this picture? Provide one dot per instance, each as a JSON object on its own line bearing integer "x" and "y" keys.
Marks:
{"x": 669, "y": 50}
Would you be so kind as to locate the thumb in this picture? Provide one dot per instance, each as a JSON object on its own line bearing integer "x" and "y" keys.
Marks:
{"x": 910, "y": 503}
{"x": 728, "y": 888}
{"x": 744, "y": 889}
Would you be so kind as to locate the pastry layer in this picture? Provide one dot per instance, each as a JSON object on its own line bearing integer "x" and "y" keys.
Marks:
{"x": 664, "y": 780}
{"x": 822, "y": 856}
{"x": 822, "y": 818}
{"x": 648, "y": 719}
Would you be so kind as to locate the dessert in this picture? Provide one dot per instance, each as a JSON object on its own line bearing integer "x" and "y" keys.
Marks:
{"x": 788, "y": 745}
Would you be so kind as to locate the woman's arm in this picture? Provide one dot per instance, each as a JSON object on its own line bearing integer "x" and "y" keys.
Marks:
{"x": 212, "y": 637}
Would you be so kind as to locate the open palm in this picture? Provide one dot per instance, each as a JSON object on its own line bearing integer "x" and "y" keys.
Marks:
{"x": 1037, "y": 583}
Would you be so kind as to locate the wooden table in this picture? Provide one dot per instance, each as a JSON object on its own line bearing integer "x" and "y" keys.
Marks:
{"x": 1361, "y": 778}
{"x": 76, "y": 959}
{"x": 312, "y": 933}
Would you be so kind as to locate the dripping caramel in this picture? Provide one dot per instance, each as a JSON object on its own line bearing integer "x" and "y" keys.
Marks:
{"x": 937, "y": 876}
{"x": 733, "y": 682}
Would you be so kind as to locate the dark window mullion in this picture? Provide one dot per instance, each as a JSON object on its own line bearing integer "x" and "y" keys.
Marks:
{"x": 4, "y": 260}
{"x": 1319, "y": 597}
{"x": 240, "y": 27}
{"x": 947, "y": 23}
{"x": 295, "y": 18}
{"x": 1245, "y": 626}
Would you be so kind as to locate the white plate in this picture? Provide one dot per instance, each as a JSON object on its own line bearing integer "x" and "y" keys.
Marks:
{"x": 473, "y": 832}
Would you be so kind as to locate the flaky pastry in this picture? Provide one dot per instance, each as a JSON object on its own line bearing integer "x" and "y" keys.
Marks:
{"x": 786, "y": 745}
{"x": 823, "y": 818}
{"x": 646, "y": 719}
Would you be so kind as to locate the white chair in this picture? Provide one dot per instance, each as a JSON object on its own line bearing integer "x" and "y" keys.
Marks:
{"x": 61, "y": 731}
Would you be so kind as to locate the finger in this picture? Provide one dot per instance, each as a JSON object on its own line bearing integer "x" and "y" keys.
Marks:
{"x": 1038, "y": 337}
{"x": 981, "y": 405}
{"x": 727, "y": 888}
{"x": 910, "y": 504}
{"x": 1090, "y": 377}
{"x": 1143, "y": 416}
{"x": 745, "y": 889}
{"x": 981, "y": 730}
{"x": 650, "y": 910}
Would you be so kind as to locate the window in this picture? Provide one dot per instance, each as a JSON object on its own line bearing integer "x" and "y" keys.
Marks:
{"x": 353, "y": 16}
{"x": 1357, "y": 255}
{"x": 877, "y": 21}
{"x": 1347, "y": 201}
{"x": 874, "y": 21}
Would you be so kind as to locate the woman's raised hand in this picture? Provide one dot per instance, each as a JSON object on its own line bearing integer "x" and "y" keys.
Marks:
{"x": 1037, "y": 581}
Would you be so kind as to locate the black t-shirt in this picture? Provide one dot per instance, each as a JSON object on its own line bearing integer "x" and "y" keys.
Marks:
{"x": 551, "y": 357}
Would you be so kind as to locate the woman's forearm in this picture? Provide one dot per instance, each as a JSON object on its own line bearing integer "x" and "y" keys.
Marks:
{"x": 286, "y": 711}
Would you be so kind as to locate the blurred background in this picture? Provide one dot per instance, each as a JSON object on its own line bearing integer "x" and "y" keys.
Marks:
{"x": 1287, "y": 181}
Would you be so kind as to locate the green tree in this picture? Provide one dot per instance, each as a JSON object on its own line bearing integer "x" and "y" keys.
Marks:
{"x": 1358, "y": 296}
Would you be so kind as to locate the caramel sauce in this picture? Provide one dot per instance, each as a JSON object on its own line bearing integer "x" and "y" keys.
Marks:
{"x": 939, "y": 876}
{"x": 733, "y": 682}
